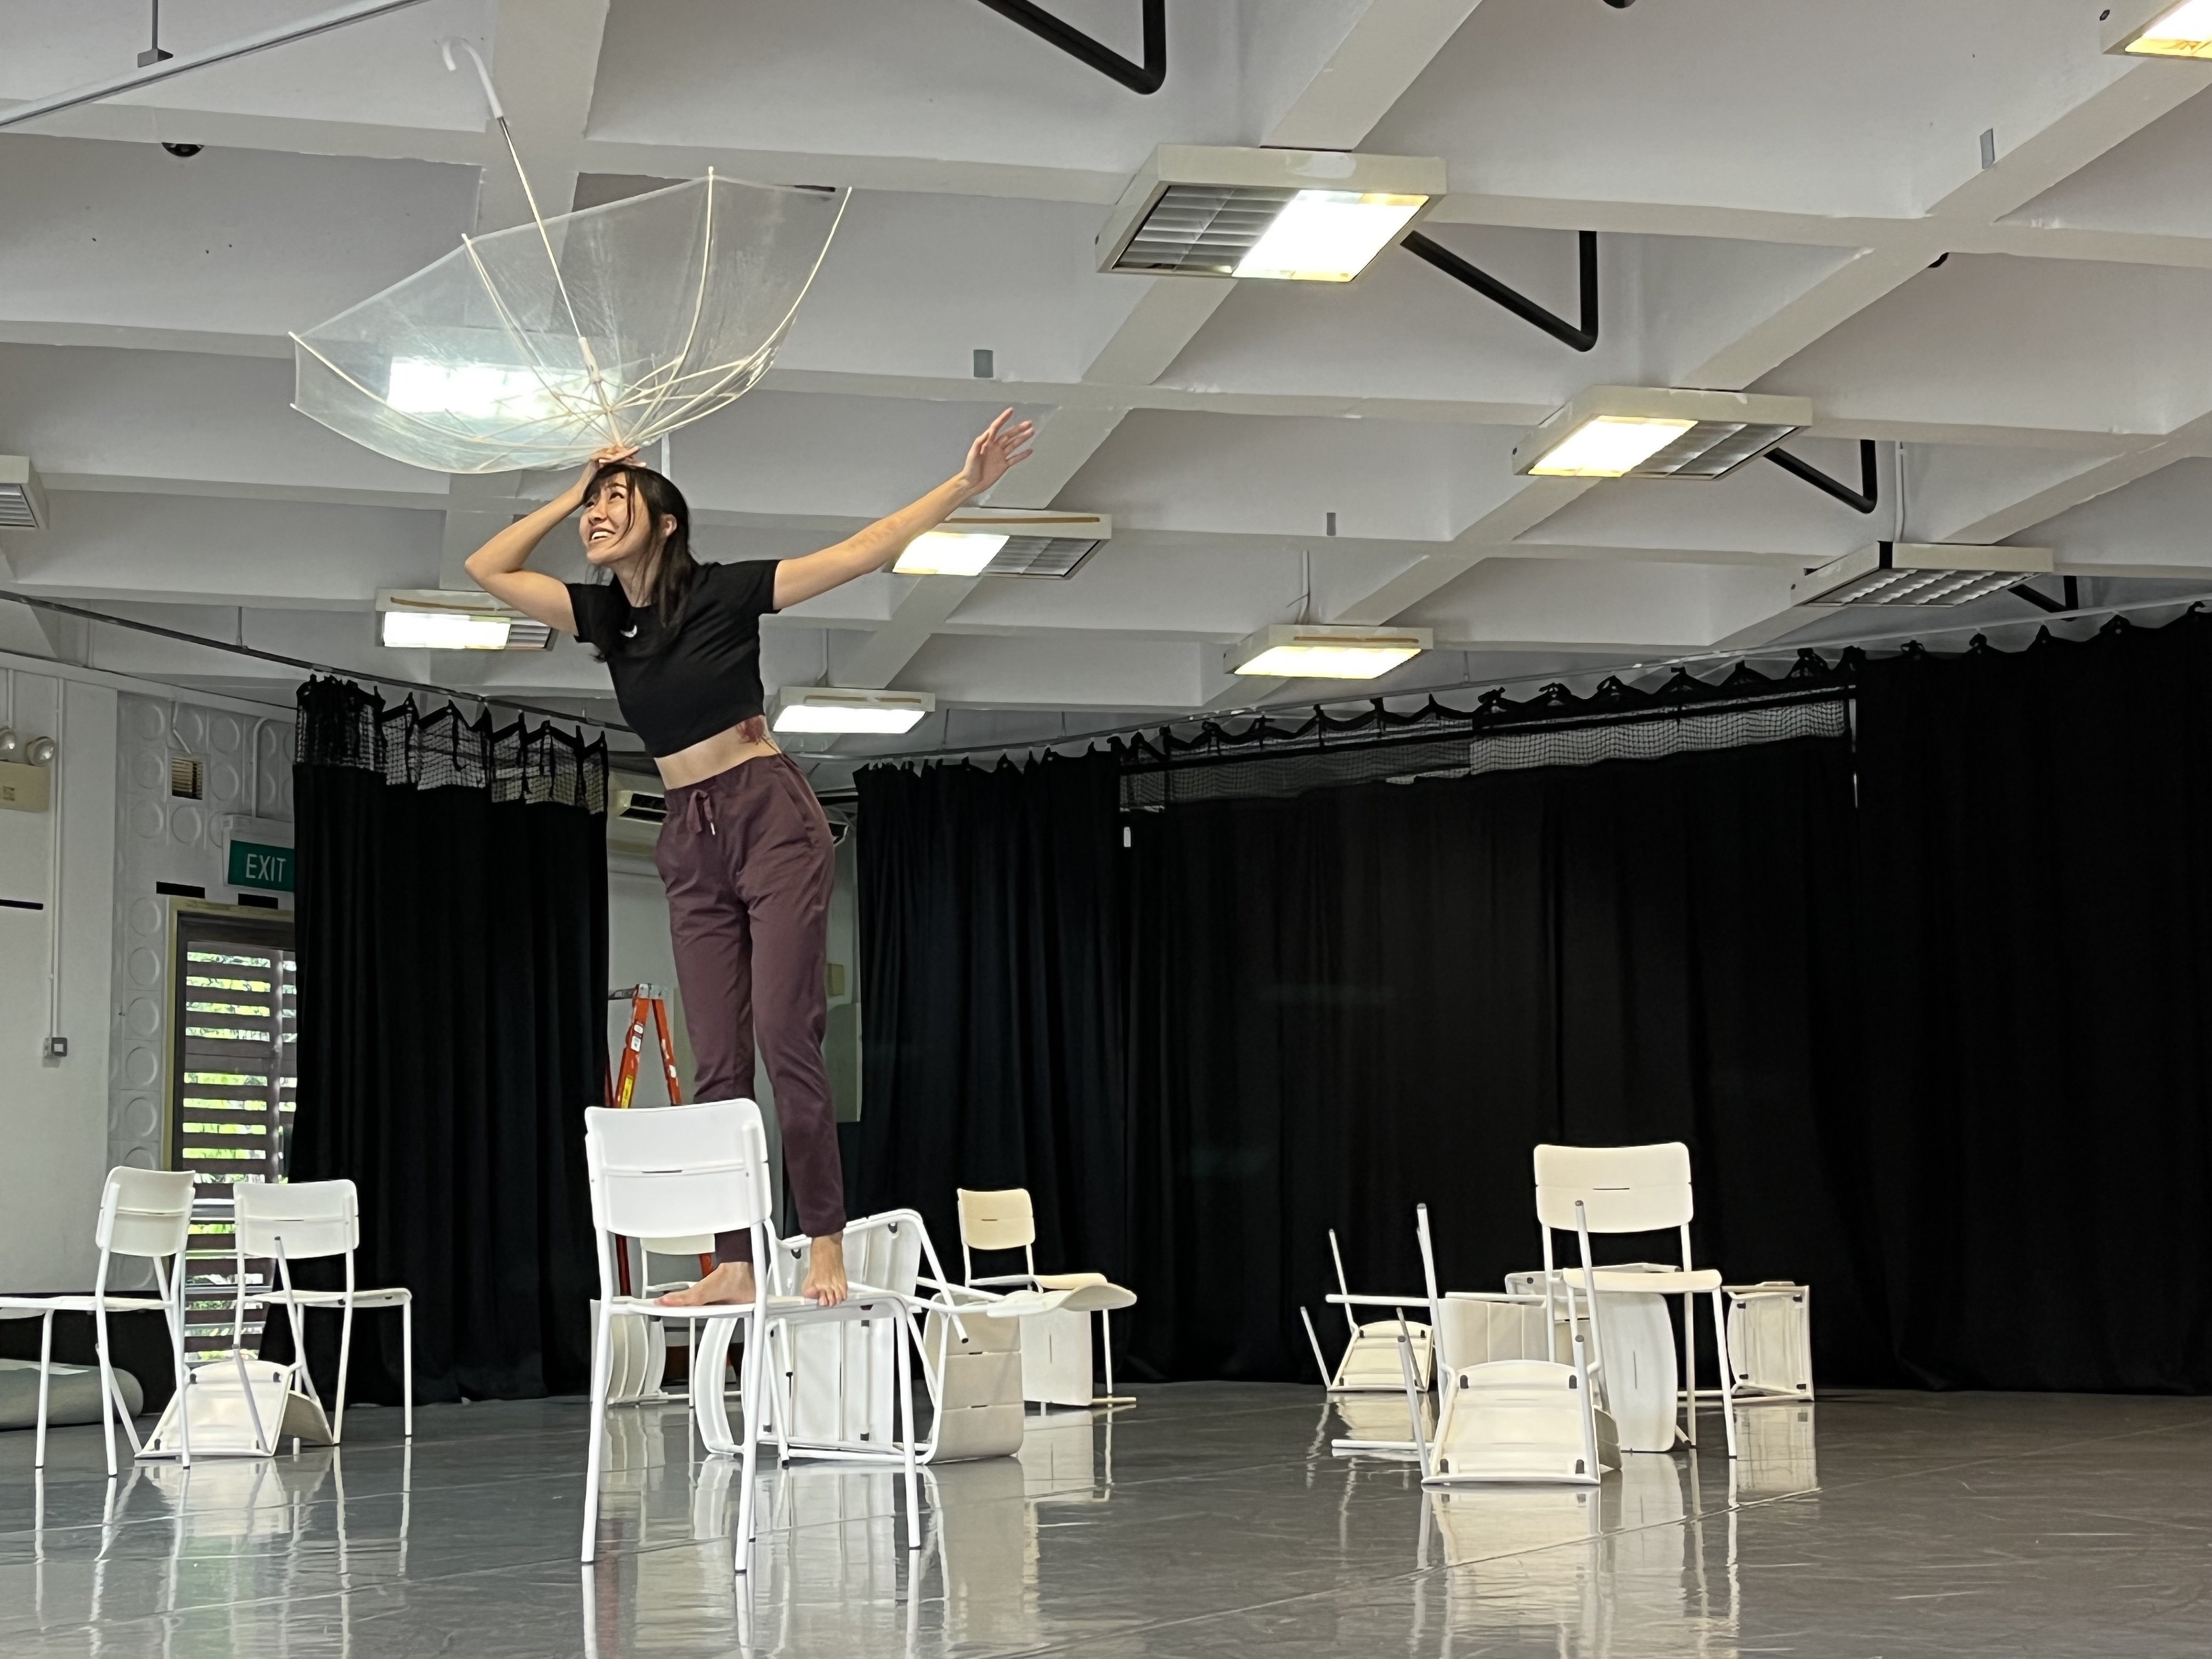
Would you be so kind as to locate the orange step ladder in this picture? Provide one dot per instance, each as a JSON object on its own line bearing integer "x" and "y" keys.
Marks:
{"x": 646, "y": 1002}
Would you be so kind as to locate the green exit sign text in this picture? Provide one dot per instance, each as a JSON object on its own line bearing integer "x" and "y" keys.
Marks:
{"x": 252, "y": 865}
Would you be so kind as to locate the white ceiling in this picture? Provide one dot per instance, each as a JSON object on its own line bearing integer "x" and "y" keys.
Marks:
{"x": 1771, "y": 188}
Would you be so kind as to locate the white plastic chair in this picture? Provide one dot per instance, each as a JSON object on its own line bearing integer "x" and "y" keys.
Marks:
{"x": 1006, "y": 1220}
{"x": 305, "y": 1221}
{"x": 667, "y": 1170}
{"x": 1634, "y": 1190}
{"x": 144, "y": 1213}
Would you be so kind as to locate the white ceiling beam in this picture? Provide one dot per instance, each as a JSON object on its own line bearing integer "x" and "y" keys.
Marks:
{"x": 1377, "y": 57}
{"x": 2075, "y": 136}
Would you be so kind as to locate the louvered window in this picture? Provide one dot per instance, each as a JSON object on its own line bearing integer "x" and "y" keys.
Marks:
{"x": 231, "y": 1105}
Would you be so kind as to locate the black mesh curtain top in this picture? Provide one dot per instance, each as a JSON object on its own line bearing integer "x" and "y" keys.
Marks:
{"x": 452, "y": 947}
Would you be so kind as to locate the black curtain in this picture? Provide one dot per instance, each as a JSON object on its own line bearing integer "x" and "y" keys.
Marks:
{"x": 990, "y": 973}
{"x": 1929, "y": 1004}
{"x": 1360, "y": 999}
{"x": 2033, "y": 841}
{"x": 452, "y": 947}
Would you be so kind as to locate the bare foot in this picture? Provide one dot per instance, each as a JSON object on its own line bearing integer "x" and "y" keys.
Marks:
{"x": 731, "y": 1281}
{"x": 825, "y": 1283}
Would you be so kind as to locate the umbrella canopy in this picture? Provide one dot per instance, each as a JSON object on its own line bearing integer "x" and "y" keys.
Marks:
{"x": 533, "y": 348}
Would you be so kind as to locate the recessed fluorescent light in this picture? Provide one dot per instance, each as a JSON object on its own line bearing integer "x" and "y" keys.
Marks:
{"x": 1300, "y": 216}
{"x": 1920, "y": 573}
{"x": 1300, "y": 650}
{"x": 436, "y": 630}
{"x": 949, "y": 553}
{"x": 484, "y": 391}
{"x": 22, "y": 503}
{"x": 1005, "y": 541}
{"x": 434, "y": 619}
{"x": 836, "y": 709}
{"x": 2169, "y": 30}
{"x": 1658, "y": 432}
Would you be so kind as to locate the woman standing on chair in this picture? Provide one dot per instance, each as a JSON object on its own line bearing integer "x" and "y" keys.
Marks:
{"x": 745, "y": 853}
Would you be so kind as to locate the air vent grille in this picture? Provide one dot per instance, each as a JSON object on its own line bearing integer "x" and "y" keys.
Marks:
{"x": 185, "y": 781}
{"x": 1710, "y": 448}
{"x": 641, "y": 806}
{"x": 16, "y": 512}
{"x": 1202, "y": 229}
{"x": 1056, "y": 556}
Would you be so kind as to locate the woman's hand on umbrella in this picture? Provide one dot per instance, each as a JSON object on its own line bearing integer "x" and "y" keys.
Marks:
{"x": 1001, "y": 446}
{"x": 613, "y": 455}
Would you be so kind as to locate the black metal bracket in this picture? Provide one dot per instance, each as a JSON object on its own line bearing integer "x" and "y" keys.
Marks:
{"x": 1145, "y": 77}
{"x": 1864, "y": 499}
{"x": 1582, "y": 339}
{"x": 2045, "y": 602}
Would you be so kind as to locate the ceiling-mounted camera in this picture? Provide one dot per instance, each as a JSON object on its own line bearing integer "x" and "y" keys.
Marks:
{"x": 187, "y": 151}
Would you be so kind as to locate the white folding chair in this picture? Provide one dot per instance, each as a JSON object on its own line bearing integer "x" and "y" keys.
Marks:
{"x": 674, "y": 1170}
{"x": 1006, "y": 1220}
{"x": 305, "y": 1221}
{"x": 144, "y": 1213}
{"x": 1634, "y": 1190}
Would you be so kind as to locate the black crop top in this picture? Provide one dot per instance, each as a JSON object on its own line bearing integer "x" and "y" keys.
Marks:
{"x": 683, "y": 691}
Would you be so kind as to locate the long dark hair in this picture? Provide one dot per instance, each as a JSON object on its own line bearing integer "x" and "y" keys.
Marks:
{"x": 668, "y": 584}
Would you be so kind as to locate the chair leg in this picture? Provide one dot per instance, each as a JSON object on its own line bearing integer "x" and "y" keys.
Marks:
{"x": 752, "y": 1378}
{"x": 1106, "y": 1348}
{"x": 110, "y": 1405}
{"x": 345, "y": 1364}
{"x": 45, "y": 1368}
{"x": 407, "y": 1370}
{"x": 1690, "y": 1366}
{"x": 1728, "y": 1373}
{"x": 906, "y": 1437}
{"x": 601, "y": 1338}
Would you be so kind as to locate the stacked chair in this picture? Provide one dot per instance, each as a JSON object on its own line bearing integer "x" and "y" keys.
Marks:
{"x": 1527, "y": 1394}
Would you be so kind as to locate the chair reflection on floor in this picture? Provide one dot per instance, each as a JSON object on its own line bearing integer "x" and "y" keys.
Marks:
{"x": 830, "y": 1541}
{"x": 1587, "y": 1568}
{"x": 241, "y": 1534}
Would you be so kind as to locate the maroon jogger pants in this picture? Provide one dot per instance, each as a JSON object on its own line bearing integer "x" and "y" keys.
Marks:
{"x": 746, "y": 859}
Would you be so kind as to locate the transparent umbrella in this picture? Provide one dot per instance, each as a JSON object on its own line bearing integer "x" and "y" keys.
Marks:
{"x": 534, "y": 347}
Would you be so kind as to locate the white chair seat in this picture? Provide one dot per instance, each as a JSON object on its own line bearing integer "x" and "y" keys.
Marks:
{"x": 1095, "y": 1295}
{"x": 1675, "y": 1281}
{"x": 24, "y": 1305}
{"x": 386, "y": 1298}
{"x": 1068, "y": 1281}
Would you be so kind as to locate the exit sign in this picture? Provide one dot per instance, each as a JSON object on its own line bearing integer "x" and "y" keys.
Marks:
{"x": 252, "y": 865}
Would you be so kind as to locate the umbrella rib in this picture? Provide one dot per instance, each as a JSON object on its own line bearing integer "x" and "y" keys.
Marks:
{"x": 545, "y": 237}
{"x": 536, "y": 362}
{"x": 775, "y": 338}
{"x": 488, "y": 441}
{"x": 698, "y": 304}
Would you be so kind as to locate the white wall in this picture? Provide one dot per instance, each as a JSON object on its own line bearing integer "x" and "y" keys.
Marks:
{"x": 54, "y": 1113}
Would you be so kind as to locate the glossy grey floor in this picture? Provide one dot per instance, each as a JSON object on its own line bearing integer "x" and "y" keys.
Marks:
{"x": 1208, "y": 1519}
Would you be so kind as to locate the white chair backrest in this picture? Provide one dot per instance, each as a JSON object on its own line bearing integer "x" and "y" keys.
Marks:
{"x": 997, "y": 1221}
{"x": 658, "y": 1171}
{"x": 1622, "y": 1189}
{"x": 312, "y": 1218}
{"x": 145, "y": 1211}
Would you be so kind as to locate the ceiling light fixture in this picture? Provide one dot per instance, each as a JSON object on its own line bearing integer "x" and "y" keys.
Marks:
{"x": 984, "y": 541}
{"x": 1299, "y": 650}
{"x": 22, "y": 503}
{"x": 1299, "y": 215}
{"x": 841, "y": 708}
{"x": 2160, "y": 30}
{"x": 1658, "y": 432}
{"x": 435, "y": 619}
{"x": 1919, "y": 573}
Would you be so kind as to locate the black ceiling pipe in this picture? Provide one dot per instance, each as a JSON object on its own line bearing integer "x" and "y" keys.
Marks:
{"x": 1864, "y": 499}
{"x": 1582, "y": 339}
{"x": 1145, "y": 77}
